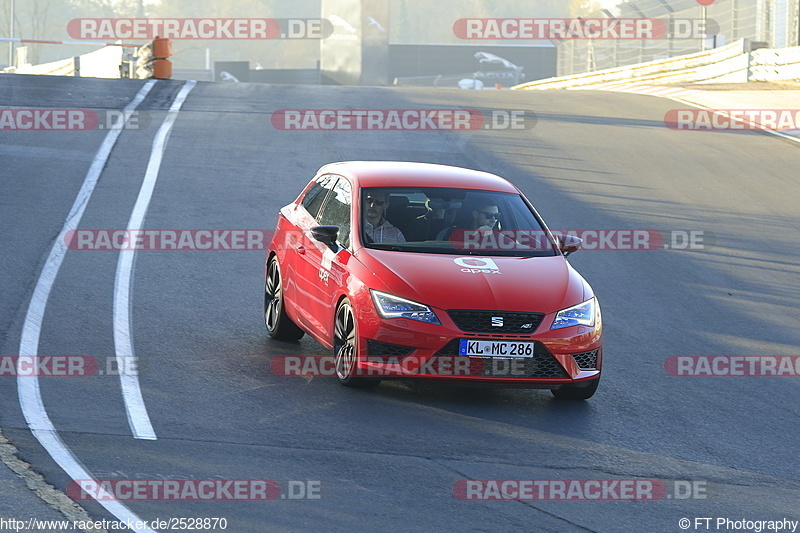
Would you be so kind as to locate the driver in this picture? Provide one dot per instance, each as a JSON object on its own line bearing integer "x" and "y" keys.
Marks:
{"x": 485, "y": 216}
{"x": 376, "y": 227}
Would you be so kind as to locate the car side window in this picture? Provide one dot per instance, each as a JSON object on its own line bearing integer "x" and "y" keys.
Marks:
{"x": 336, "y": 211}
{"x": 315, "y": 197}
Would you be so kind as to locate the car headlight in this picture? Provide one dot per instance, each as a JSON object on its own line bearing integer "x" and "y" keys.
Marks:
{"x": 390, "y": 306}
{"x": 582, "y": 314}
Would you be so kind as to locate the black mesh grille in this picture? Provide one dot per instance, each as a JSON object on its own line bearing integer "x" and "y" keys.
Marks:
{"x": 380, "y": 348}
{"x": 586, "y": 360}
{"x": 451, "y": 348}
{"x": 541, "y": 365}
{"x": 481, "y": 321}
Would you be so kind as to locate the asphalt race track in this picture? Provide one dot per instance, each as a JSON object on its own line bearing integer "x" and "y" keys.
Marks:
{"x": 389, "y": 459}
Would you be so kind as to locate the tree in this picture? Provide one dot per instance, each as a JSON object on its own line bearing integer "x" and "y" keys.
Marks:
{"x": 39, "y": 19}
{"x": 584, "y": 8}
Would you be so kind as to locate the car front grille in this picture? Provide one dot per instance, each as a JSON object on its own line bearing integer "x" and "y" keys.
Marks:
{"x": 495, "y": 321}
{"x": 542, "y": 365}
{"x": 586, "y": 360}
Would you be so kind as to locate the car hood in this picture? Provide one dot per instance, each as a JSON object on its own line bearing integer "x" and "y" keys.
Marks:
{"x": 539, "y": 284}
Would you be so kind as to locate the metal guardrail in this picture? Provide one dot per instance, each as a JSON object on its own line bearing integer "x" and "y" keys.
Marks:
{"x": 724, "y": 64}
{"x": 114, "y": 60}
{"x": 103, "y": 63}
{"x": 775, "y": 65}
{"x": 734, "y": 63}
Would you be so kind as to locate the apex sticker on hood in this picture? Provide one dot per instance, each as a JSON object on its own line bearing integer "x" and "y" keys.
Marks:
{"x": 477, "y": 265}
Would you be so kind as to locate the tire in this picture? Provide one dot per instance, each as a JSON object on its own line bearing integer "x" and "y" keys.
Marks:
{"x": 279, "y": 325}
{"x": 576, "y": 392}
{"x": 345, "y": 349}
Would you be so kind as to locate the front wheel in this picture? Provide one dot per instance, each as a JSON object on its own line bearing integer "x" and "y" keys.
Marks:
{"x": 576, "y": 392}
{"x": 279, "y": 326}
{"x": 345, "y": 349}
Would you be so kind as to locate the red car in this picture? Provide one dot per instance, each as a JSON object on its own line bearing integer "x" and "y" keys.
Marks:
{"x": 412, "y": 270}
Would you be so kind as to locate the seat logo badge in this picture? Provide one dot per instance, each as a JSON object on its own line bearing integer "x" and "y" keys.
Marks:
{"x": 497, "y": 321}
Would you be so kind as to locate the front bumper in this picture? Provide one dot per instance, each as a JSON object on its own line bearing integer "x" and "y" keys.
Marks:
{"x": 400, "y": 348}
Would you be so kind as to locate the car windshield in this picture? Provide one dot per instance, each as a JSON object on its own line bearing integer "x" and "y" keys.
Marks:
{"x": 451, "y": 221}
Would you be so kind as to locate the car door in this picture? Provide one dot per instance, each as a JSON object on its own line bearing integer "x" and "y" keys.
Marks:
{"x": 323, "y": 269}
{"x": 297, "y": 279}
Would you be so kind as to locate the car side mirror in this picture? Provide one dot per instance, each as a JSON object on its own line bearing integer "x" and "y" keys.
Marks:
{"x": 326, "y": 235}
{"x": 569, "y": 244}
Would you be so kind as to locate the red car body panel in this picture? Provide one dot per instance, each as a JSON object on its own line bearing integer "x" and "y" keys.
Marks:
{"x": 316, "y": 279}
{"x": 389, "y": 173}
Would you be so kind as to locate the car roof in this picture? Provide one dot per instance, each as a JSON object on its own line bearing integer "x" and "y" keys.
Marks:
{"x": 408, "y": 174}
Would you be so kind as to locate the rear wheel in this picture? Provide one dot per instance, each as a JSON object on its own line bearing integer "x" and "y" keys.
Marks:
{"x": 576, "y": 392}
{"x": 279, "y": 326}
{"x": 345, "y": 349}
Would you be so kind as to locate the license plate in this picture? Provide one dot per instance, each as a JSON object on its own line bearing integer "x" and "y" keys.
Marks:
{"x": 496, "y": 348}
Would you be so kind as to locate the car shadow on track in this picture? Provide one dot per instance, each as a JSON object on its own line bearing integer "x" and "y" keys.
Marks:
{"x": 455, "y": 395}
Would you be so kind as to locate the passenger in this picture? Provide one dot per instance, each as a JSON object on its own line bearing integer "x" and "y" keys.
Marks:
{"x": 483, "y": 218}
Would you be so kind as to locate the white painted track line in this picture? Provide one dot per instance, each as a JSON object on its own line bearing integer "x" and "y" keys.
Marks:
{"x": 30, "y": 396}
{"x": 138, "y": 419}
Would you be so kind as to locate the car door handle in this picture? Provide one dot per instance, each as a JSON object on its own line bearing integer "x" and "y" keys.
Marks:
{"x": 301, "y": 250}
